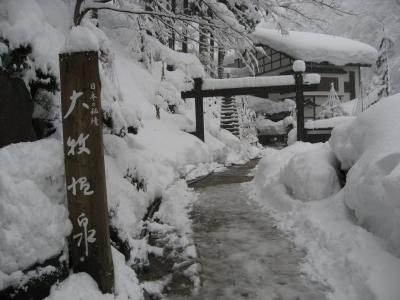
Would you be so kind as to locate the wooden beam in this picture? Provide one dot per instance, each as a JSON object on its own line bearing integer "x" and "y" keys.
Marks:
{"x": 247, "y": 91}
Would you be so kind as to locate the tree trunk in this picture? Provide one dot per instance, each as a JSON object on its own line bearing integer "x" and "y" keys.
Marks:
{"x": 212, "y": 52}
{"x": 203, "y": 46}
{"x": 185, "y": 27}
{"x": 221, "y": 55}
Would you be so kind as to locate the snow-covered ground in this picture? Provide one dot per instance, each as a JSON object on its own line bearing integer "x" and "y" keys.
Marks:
{"x": 262, "y": 263}
{"x": 351, "y": 234}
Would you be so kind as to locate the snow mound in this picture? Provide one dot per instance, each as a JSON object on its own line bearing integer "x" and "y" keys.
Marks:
{"x": 78, "y": 286}
{"x": 33, "y": 218}
{"x": 369, "y": 146}
{"x": 316, "y": 47}
{"x": 350, "y": 262}
{"x": 82, "y": 286}
{"x": 312, "y": 175}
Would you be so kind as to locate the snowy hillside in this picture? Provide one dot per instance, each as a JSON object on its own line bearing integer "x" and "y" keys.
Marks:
{"x": 139, "y": 166}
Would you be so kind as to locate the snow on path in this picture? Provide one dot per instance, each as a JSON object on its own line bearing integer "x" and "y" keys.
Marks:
{"x": 242, "y": 254}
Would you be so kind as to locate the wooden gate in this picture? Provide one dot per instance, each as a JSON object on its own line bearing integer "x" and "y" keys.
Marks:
{"x": 256, "y": 86}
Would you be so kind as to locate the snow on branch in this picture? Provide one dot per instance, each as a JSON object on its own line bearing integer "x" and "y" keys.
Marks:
{"x": 100, "y": 6}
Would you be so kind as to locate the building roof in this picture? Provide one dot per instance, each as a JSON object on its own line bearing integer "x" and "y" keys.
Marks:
{"x": 317, "y": 47}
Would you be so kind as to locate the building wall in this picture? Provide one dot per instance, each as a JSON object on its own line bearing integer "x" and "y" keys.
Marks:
{"x": 346, "y": 79}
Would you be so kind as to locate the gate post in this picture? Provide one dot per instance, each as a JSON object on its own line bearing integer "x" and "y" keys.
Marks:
{"x": 198, "y": 82}
{"x": 89, "y": 242}
{"x": 299, "y": 68}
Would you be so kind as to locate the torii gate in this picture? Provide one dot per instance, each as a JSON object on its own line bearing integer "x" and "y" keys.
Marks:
{"x": 261, "y": 86}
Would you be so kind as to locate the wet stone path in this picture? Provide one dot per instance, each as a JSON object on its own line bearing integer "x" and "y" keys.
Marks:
{"x": 242, "y": 254}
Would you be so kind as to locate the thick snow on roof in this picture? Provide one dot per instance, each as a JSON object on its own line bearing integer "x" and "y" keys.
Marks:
{"x": 316, "y": 47}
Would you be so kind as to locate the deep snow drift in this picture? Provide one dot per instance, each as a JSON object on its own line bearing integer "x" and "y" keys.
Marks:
{"x": 351, "y": 234}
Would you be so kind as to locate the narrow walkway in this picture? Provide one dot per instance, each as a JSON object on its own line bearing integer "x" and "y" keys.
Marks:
{"x": 242, "y": 254}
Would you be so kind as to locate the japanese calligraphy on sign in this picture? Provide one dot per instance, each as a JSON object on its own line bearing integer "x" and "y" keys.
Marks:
{"x": 88, "y": 236}
{"x": 79, "y": 143}
{"x": 94, "y": 111}
{"x": 84, "y": 167}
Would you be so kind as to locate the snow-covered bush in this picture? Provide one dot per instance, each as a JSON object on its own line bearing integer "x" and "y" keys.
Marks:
{"x": 33, "y": 214}
{"x": 369, "y": 147}
{"x": 268, "y": 127}
{"x": 269, "y": 107}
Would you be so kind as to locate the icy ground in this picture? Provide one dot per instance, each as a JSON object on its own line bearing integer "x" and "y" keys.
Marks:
{"x": 242, "y": 254}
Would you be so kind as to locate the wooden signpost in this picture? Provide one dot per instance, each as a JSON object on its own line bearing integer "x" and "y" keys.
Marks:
{"x": 90, "y": 249}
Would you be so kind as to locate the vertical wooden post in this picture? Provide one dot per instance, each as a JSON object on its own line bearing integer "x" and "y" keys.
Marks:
{"x": 84, "y": 167}
{"x": 199, "y": 108}
{"x": 298, "y": 76}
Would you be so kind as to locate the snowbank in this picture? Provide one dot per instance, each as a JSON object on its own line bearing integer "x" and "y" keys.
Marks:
{"x": 82, "y": 286}
{"x": 350, "y": 262}
{"x": 33, "y": 216}
{"x": 369, "y": 147}
{"x": 316, "y": 47}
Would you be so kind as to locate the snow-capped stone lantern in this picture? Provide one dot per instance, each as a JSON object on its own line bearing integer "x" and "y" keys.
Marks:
{"x": 299, "y": 67}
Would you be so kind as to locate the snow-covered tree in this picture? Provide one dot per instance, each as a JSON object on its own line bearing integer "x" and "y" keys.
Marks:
{"x": 381, "y": 85}
{"x": 246, "y": 121}
{"x": 227, "y": 22}
{"x": 332, "y": 107}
